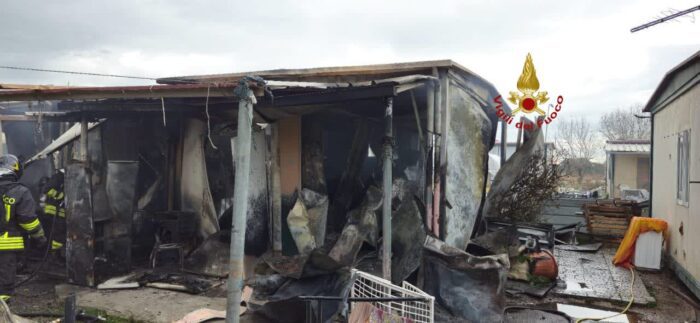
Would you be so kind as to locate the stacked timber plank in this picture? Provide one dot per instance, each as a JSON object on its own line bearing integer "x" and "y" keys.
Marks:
{"x": 609, "y": 218}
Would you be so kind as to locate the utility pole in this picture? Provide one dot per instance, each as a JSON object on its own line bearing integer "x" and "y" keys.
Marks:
{"x": 386, "y": 210}
{"x": 241, "y": 153}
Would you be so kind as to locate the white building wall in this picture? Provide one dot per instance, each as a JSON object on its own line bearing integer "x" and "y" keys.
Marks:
{"x": 681, "y": 114}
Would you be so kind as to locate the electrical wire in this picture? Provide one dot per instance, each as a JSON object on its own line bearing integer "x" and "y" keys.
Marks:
{"x": 206, "y": 109}
{"x": 75, "y": 73}
{"x": 623, "y": 311}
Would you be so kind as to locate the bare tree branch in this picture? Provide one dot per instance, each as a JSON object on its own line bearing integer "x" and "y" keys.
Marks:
{"x": 577, "y": 138}
{"x": 621, "y": 124}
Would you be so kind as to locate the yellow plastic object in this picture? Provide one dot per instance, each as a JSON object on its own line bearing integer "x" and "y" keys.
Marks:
{"x": 639, "y": 225}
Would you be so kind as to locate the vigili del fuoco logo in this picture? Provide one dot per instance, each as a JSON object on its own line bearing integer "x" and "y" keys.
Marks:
{"x": 529, "y": 99}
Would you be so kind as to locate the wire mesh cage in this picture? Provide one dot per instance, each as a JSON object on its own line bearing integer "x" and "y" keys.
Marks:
{"x": 369, "y": 286}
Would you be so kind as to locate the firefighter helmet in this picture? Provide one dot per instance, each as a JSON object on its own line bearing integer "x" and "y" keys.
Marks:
{"x": 10, "y": 165}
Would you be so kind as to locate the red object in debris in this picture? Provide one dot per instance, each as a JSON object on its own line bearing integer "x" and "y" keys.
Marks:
{"x": 544, "y": 264}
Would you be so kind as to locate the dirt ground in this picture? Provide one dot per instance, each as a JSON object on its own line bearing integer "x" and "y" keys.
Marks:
{"x": 669, "y": 307}
{"x": 37, "y": 300}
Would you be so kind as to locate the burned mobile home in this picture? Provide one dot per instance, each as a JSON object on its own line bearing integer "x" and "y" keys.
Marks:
{"x": 150, "y": 169}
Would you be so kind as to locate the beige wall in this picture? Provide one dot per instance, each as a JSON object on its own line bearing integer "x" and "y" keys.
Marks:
{"x": 628, "y": 172}
{"x": 681, "y": 114}
{"x": 625, "y": 172}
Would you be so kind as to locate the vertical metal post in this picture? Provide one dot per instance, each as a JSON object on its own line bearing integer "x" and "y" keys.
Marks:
{"x": 430, "y": 94}
{"x": 84, "y": 140}
{"x": 241, "y": 152}
{"x": 520, "y": 133}
{"x": 651, "y": 170}
{"x": 274, "y": 187}
{"x": 437, "y": 133}
{"x": 444, "y": 120}
{"x": 437, "y": 119}
{"x": 504, "y": 142}
{"x": 3, "y": 145}
{"x": 386, "y": 210}
{"x": 442, "y": 125}
{"x": 70, "y": 309}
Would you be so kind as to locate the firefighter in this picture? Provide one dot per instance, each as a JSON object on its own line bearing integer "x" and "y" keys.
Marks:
{"x": 52, "y": 203}
{"x": 19, "y": 218}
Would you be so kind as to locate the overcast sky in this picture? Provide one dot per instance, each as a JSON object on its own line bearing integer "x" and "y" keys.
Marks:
{"x": 582, "y": 50}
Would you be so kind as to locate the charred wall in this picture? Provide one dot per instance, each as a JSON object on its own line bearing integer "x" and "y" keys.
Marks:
{"x": 221, "y": 173}
{"x": 25, "y": 139}
{"x": 469, "y": 134}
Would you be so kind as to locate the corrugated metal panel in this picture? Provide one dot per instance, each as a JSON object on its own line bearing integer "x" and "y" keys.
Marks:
{"x": 190, "y": 90}
{"x": 628, "y": 147}
{"x": 317, "y": 73}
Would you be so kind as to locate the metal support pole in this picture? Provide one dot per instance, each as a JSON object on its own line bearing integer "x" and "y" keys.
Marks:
{"x": 386, "y": 210}
{"x": 504, "y": 142}
{"x": 3, "y": 145}
{"x": 274, "y": 187}
{"x": 241, "y": 151}
{"x": 437, "y": 119}
{"x": 84, "y": 141}
{"x": 519, "y": 141}
{"x": 430, "y": 126}
{"x": 70, "y": 309}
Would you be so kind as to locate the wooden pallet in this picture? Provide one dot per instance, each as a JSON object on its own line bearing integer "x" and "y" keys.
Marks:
{"x": 609, "y": 218}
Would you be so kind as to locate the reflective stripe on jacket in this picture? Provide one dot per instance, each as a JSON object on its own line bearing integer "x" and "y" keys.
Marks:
{"x": 54, "y": 203}
{"x": 14, "y": 241}
{"x": 11, "y": 243}
{"x": 52, "y": 210}
{"x": 56, "y": 245}
{"x": 19, "y": 216}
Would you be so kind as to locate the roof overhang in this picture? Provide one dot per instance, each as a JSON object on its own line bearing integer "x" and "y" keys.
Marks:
{"x": 338, "y": 74}
{"x": 682, "y": 77}
{"x": 119, "y": 92}
{"x": 628, "y": 147}
{"x": 8, "y": 86}
{"x": 105, "y": 102}
{"x": 628, "y": 153}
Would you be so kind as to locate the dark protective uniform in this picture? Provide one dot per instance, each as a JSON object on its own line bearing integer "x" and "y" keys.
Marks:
{"x": 53, "y": 201}
{"x": 19, "y": 218}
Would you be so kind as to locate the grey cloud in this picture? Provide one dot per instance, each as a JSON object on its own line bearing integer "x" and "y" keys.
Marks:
{"x": 273, "y": 34}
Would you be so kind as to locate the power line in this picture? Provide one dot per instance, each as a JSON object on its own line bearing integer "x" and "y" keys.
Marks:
{"x": 664, "y": 19}
{"x": 76, "y": 73}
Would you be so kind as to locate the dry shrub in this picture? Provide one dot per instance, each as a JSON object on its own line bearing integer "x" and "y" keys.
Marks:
{"x": 524, "y": 201}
